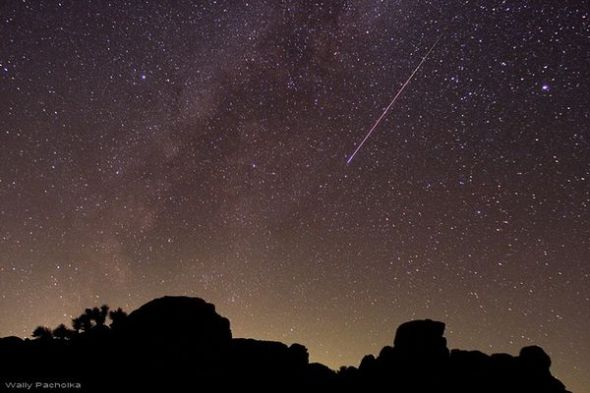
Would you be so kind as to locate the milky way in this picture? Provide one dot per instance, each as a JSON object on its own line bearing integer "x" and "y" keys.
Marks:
{"x": 197, "y": 148}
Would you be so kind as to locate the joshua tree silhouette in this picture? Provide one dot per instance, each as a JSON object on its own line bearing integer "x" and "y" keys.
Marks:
{"x": 63, "y": 333}
{"x": 117, "y": 317}
{"x": 42, "y": 333}
{"x": 92, "y": 317}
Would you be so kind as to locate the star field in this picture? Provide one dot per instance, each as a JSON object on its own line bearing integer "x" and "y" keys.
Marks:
{"x": 200, "y": 149}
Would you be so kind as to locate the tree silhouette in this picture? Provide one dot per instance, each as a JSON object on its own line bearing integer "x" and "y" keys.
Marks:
{"x": 102, "y": 317}
{"x": 92, "y": 317}
{"x": 63, "y": 333}
{"x": 117, "y": 317}
{"x": 99, "y": 315}
{"x": 82, "y": 323}
{"x": 77, "y": 324}
{"x": 42, "y": 333}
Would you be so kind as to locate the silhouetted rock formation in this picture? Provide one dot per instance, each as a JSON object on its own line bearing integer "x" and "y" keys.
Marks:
{"x": 181, "y": 319}
{"x": 177, "y": 325}
{"x": 179, "y": 343}
{"x": 421, "y": 340}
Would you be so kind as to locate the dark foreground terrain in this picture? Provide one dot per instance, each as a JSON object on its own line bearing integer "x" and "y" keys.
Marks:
{"x": 178, "y": 344}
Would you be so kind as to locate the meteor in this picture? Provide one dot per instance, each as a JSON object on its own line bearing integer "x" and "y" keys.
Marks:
{"x": 393, "y": 101}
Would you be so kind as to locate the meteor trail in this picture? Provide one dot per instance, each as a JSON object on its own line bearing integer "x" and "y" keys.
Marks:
{"x": 392, "y": 101}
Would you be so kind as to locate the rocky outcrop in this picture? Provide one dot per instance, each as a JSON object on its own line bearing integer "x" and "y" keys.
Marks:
{"x": 182, "y": 343}
{"x": 178, "y": 321}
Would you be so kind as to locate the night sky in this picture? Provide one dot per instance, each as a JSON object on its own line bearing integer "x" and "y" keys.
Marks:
{"x": 152, "y": 148}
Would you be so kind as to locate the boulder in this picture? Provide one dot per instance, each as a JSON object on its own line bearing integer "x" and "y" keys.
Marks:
{"x": 421, "y": 339}
{"x": 177, "y": 320}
